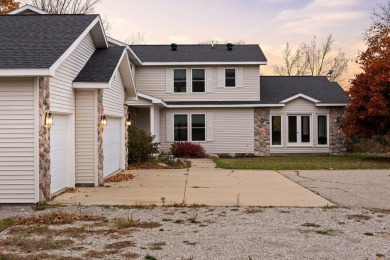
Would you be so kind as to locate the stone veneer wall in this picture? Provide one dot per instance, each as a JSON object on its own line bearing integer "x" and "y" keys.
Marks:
{"x": 44, "y": 140}
{"x": 100, "y": 137}
{"x": 337, "y": 142}
{"x": 126, "y": 138}
{"x": 262, "y": 132}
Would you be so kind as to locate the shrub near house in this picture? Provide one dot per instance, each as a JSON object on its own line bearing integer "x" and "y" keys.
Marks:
{"x": 187, "y": 150}
{"x": 141, "y": 146}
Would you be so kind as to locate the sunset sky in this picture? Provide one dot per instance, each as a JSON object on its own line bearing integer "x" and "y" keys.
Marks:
{"x": 269, "y": 23}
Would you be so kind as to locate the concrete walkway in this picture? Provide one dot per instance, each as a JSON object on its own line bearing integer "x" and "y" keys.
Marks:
{"x": 201, "y": 184}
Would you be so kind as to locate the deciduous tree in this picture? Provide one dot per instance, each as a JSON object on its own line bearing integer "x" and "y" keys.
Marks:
{"x": 7, "y": 6}
{"x": 369, "y": 111}
{"x": 313, "y": 59}
{"x": 64, "y": 6}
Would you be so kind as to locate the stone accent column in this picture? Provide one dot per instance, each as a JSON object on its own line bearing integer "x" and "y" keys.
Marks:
{"x": 337, "y": 142}
{"x": 262, "y": 132}
{"x": 44, "y": 140}
{"x": 126, "y": 137}
{"x": 100, "y": 129}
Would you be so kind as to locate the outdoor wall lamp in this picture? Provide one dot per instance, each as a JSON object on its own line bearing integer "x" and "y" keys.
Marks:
{"x": 48, "y": 119}
{"x": 128, "y": 121}
{"x": 103, "y": 120}
{"x": 262, "y": 120}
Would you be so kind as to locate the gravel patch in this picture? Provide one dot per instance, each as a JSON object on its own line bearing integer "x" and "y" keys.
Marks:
{"x": 207, "y": 233}
{"x": 347, "y": 188}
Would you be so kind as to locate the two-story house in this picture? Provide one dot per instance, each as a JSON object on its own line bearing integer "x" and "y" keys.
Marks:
{"x": 68, "y": 93}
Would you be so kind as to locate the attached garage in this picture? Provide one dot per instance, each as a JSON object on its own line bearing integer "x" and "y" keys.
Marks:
{"x": 112, "y": 146}
{"x": 59, "y": 151}
{"x": 18, "y": 141}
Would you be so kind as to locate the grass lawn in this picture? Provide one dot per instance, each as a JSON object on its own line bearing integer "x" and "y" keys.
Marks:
{"x": 307, "y": 162}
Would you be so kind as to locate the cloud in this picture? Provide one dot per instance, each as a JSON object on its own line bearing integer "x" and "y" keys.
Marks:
{"x": 318, "y": 15}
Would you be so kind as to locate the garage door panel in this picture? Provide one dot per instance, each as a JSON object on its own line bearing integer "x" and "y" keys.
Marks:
{"x": 59, "y": 153}
{"x": 111, "y": 146}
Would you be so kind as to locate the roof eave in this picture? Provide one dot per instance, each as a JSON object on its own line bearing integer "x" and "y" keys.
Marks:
{"x": 204, "y": 63}
{"x": 26, "y": 72}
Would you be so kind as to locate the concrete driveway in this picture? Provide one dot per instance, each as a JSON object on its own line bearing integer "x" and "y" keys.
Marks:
{"x": 201, "y": 184}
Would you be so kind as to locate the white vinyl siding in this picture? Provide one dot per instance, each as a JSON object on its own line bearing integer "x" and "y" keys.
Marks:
{"x": 114, "y": 98}
{"x": 62, "y": 95}
{"x": 300, "y": 106}
{"x": 17, "y": 148}
{"x": 156, "y": 81}
{"x": 86, "y": 136}
{"x": 232, "y": 129}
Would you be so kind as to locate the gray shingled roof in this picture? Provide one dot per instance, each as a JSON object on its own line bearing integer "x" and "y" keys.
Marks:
{"x": 37, "y": 41}
{"x": 101, "y": 66}
{"x": 274, "y": 89}
{"x": 199, "y": 53}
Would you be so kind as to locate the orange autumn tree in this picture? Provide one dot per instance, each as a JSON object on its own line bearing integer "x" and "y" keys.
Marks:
{"x": 7, "y": 6}
{"x": 369, "y": 112}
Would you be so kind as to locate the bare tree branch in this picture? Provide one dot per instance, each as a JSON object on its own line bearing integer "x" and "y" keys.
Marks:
{"x": 135, "y": 38}
{"x": 239, "y": 42}
{"x": 64, "y": 6}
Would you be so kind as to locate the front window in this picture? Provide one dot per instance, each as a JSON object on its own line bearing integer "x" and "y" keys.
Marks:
{"x": 180, "y": 80}
{"x": 180, "y": 128}
{"x": 198, "y": 80}
{"x": 198, "y": 127}
{"x": 292, "y": 129}
{"x": 230, "y": 78}
{"x": 299, "y": 130}
{"x": 322, "y": 130}
{"x": 276, "y": 130}
{"x": 305, "y": 129}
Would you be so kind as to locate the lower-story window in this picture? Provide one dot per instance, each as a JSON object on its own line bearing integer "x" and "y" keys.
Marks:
{"x": 322, "y": 129}
{"x": 276, "y": 130}
{"x": 198, "y": 127}
{"x": 197, "y": 124}
{"x": 299, "y": 130}
{"x": 180, "y": 128}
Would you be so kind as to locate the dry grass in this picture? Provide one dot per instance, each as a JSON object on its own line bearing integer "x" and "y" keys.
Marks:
{"x": 120, "y": 245}
{"x": 358, "y": 217}
{"x": 124, "y": 223}
{"x": 35, "y": 245}
{"x": 120, "y": 177}
{"x": 55, "y": 218}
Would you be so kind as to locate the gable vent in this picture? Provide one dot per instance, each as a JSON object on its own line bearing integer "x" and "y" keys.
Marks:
{"x": 229, "y": 46}
{"x": 174, "y": 46}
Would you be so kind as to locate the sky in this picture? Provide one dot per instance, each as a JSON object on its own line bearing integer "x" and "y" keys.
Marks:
{"x": 269, "y": 23}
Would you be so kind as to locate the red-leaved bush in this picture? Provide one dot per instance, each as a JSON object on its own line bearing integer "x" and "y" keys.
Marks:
{"x": 187, "y": 150}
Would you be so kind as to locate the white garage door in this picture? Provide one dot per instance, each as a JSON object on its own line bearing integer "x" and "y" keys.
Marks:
{"x": 58, "y": 153}
{"x": 111, "y": 146}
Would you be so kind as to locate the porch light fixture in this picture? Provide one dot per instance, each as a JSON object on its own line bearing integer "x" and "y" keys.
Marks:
{"x": 128, "y": 121}
{"x": 103, "y": 120}
{"x": 262, "y": 120}
{"x": 48, "y": 119}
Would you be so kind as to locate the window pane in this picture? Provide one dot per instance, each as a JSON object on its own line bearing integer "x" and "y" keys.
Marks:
{"x": 198, "y": 120}
{"x": 180, "y": 128}
{"x": 198, "y": 74}
{"x": 305, "y": 129}
{"x": 180, "y": 86}
{"x": 198, "y": 127}
{"x": 230, "y": 82}
{"x": 180, "y": 74}
{"x": 198, "y": 86}
{"x": 276, "y": 130}
{"x": 230, "y": 73}
{"x": 322, "y": 130}
{"x": 292, "y": 129}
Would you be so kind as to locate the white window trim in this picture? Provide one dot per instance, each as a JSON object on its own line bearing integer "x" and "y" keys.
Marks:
{"x": 189, "y": 127}
{"x": 173, "y": 80}
{"x": 299, "y": 137}
{"x": 281, "y": 130}
{"x": 235, "y": 77}
{"x": 327, "y": 126}
{"x": 192, "y": 79}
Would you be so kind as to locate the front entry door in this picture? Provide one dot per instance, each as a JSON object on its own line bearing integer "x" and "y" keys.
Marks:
{"x": 299, "y": 130}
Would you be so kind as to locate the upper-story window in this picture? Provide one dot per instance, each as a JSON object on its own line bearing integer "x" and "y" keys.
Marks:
{"x": 198, "y": 80}
{"x": 230, "y": 77}
{"x": 180, "y": 80}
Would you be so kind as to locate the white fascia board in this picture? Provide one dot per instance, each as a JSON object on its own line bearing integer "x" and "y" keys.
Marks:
{"x": 91, "y": 85}
{"x": 25, "y": 72}
{"x": 225, "y": 106}
{"x": 103, "y": 31}
{"x": 332, "y": 104}
{"x": 27, "y": 8}
{"x": 74, "y": 45}
{"x": 132, "y": 52}
{"x": 115, "y": 41}
{"x": 300, "y": 95}
{"x": 116, "y": 67}
{"x": 203, "y": 63}
{"x": 153, "y": 99}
